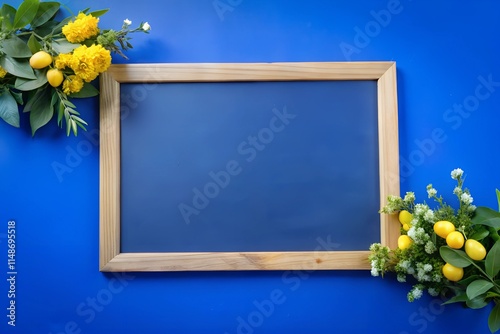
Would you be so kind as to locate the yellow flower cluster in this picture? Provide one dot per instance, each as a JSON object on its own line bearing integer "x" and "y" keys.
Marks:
{"x": 86, "y": 62}
{"x": 84, "y": 27}
{"x": 3, "y": 72}
{"x": 72, "y": 84}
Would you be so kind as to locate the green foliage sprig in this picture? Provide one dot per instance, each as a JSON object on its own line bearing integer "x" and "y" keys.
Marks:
{"x": 45, "y": 62}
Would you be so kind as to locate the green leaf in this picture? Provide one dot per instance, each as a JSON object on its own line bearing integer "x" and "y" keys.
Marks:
{"x": 87, "y": 91}
{"x": 492, "y": 262}
{"x": 42, "y": 112}
{"x": 45, "y": 12}
{"x": 457, "y": 299}
{"x": 27, "y": 85}
{"x": 58, "y": 27}
{"x": 477, "y": 303}
{"x": 494, "y": 319}
{"x": 34, "y": 99}
{"x": 18, "y": 96}
{"x": 480, "y": 234}
{"x": 477, "y": 288}
{"x": 466, "y": 281}
{"x": 33, "y": 44}
{"x": 98, "y": 13}
{"x": 455, "y": 257}
{"x": 486, "y": 216}
{"x": 8, "y": 13}
{"x": 25, "y": 13}
{"x": 61, "y": 45}
{"x": 9, "y": 111}
{"x": 498, "y": 198}
{"x": 17, "y": 67}
{"x": 15, "y": 47}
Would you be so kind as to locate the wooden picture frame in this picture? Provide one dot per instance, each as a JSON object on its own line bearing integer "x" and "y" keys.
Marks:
{"x": 112, "y": 260}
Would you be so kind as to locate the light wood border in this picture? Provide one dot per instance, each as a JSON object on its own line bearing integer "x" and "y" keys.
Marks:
{"x": 111, "y": 259}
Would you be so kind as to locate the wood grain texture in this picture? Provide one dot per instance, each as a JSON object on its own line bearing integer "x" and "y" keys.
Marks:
{"x": 238, "y": 261}
{"x": 210, "y": 72}
{"x": 388, "y": 153}
{"x": 110, "y": 257}
{"x": 109, "y": 211}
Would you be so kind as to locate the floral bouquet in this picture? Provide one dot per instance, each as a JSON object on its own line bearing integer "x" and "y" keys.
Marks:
{"x": 450, "y": 252}
{"x": 45, "y": 62}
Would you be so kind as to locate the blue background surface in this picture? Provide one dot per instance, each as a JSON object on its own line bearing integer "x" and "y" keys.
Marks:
{"x": 444, "y": 51}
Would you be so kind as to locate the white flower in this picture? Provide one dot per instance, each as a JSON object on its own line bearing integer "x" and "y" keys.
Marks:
{"x": 417, "y": 293}
{"x": 401, "y": 278}
{"x": 430, "y": 247}
{"x": 127, "y": 22}
{"x": 411, "y": 271}
{"x": 466, "y": 198}
{"x": 457, "y": 191}
{"x": 411, "y": 232}
{"x": 429, "y": 216}
{"x": 404, "y": 264}
{"x": 146, "y": 26}
{"x": 427, "y": 267}
{"x": 433, "y": 292}
{"x": 431, "y": 192}
{"x": 409, "y": 197}
{"x": 374, "y": 272}
{"x": 471, "y": 208}
{"x": 456, "y": 173}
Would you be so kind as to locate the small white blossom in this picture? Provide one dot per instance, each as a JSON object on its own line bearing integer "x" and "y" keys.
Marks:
{"x": 411, "y": 232}
{"x": 427, "y": 267}
{"x": 456, "y": 173}
{"x": 401, "y": 278}
{"x": 417, "y": 293}
{"x": 466, "y": 198}
{"x": 471, "y": 208}
{"x": 127, "y": 22}
{"x": 146, "y": 26}
{"x": 430, "y": 247}
{"x": 431, "y": 192}
{"x": 457, "y": 191}
{"x": 429, "y": 216}
{"x": 374, "y": 272}
{"x": 421, "y": 209}
{"x": 404, "y": 264}
{"x": 409, "y": 197}
{"x": 411, "y": 271}
{"x": 433, "y": 292}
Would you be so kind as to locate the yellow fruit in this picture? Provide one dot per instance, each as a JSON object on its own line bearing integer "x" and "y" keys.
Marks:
{"x": 455, "y": 240}
{"x": 406, "y": 227}
{"x": 404, "y": 242}
{"x": 452, "y": 273}
{"x": 41, "y": 59}
{"x": 405, "y": 217}
{"x": 443, "y": 228}
{"x": 55, "y": 77}
{"x": 475, "y": 249}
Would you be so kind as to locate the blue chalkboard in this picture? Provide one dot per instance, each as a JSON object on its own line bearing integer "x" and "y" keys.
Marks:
{"x": 249, "y": 166}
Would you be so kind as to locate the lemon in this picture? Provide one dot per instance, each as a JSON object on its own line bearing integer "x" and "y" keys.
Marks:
{"x": 452, "y": 273}
{"x": 443, "y": 228}
{"x": 475, "y": 249}
{"x": 55, "y": 77}
{"x": 404, "y": 242}
{"x": 406, "y": 227}
{"x": 40, "y": 60}
{"x": 405, "y": 217}
{"x": 455, "y": 239}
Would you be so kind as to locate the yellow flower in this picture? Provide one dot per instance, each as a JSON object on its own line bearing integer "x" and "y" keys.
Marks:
{"x": 2, "y": 72}
{"x": 89, "y": 62}
{"x": 84, "y": 27}
{"x": 73, "y": 84}
{"x": 63, "y": 61}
